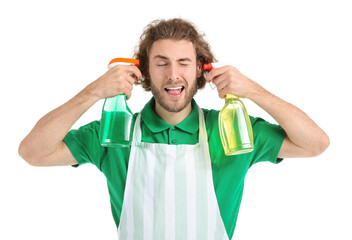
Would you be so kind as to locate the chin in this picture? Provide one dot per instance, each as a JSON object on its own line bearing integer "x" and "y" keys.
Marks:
{"x": 174, "y": 106}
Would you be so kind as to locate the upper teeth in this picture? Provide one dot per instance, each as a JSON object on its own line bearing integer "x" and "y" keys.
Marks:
{"x": 175, "y": 88}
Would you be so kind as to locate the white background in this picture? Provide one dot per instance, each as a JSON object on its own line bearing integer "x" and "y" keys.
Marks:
{"x": 299, "y": 50}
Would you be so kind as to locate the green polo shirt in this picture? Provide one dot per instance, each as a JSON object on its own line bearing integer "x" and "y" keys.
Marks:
{"x": 228, "y": 171}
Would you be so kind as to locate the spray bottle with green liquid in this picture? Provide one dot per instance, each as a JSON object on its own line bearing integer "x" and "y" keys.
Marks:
{"x": 116, "y": 119}
{"x": 235, "y": 128}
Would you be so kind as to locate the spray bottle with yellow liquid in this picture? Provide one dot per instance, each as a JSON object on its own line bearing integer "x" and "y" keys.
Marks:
{"x": 235, "y": 128}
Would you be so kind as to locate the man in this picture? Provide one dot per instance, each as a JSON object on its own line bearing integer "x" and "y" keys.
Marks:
{"x": 179, "y": 183}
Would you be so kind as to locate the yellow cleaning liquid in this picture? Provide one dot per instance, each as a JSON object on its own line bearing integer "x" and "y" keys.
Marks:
{"x": 235, "y": 127}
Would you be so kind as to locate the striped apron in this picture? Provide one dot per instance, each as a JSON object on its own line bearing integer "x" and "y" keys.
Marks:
{"x": 169, "y": 192}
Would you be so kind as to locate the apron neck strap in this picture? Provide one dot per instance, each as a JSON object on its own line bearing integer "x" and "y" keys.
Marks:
{"x": 203, "y": 137}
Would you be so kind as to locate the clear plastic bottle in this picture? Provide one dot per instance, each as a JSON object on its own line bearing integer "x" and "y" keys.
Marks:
{"x": 235, "y": 128}
{"x": 116, "y": 119}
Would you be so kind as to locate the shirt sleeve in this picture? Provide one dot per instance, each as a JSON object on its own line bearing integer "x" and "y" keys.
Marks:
{"x": 84, "y": 144}
{"x": 268, "y": 139}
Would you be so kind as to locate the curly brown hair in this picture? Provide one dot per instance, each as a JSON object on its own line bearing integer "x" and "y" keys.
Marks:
{"x": 177, "y": 29}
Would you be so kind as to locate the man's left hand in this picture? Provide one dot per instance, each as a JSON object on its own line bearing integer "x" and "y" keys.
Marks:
{"x": 229, "y": 80}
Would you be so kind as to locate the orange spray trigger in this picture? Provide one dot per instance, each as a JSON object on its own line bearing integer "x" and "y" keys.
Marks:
{"x": 128, "y": 61}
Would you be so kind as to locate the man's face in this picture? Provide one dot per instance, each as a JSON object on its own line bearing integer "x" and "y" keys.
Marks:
{"x": 173, "y": 73}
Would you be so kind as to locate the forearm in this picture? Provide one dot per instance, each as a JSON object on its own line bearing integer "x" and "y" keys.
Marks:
{"x": 301, "y": 130}
{"x": 50, "y": 130}
{"x": 304, "y": 137}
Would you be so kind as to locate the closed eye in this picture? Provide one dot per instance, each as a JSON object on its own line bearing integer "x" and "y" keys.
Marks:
{"x": 184, "y": 64}
{"x": 161, "y": 64}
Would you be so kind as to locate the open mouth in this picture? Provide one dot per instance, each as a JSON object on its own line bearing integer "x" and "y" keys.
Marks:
{"x": 175, "y": 91}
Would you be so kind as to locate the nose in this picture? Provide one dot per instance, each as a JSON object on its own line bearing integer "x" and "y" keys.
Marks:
{"x": 173, "y": 73}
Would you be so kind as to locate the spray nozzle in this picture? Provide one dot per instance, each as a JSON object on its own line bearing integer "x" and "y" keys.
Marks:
{"x": 208, "y": 67}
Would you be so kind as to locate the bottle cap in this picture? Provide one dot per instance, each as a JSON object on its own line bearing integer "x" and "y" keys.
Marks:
{"x": 208, "y": 66}
{"x": 125, "y": 60}
{"x": 230, "y": 96}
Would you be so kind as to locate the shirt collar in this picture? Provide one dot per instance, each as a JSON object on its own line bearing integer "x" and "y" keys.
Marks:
{"x": 156, "y": 124}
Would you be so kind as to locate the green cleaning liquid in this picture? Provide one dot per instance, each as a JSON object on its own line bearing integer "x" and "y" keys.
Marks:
{"x": 235, "y": 128}
{"x": 116, "y": 118}
{"x": 115, "y": 124}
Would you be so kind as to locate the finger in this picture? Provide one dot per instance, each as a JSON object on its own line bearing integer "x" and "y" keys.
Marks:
{"x": 223, "y": 90}
{"x": 134, "y": 70}
{"x": 221, "y": 83}
{"x": 219, "y": 79}
{"x": 126, "y": 69}
{"x": 129, "y": 84}
{"x": 125, "y": 88}
{"x": 131, "y": 78}
{"x": 215, "y": 73}
{"x": 222, "y": 93}
{"x": 128, "y": 92}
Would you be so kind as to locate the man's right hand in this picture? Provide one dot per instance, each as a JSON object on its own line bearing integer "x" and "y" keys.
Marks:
{"x": 117, "y": 80}
{"x": 44, "y": 145}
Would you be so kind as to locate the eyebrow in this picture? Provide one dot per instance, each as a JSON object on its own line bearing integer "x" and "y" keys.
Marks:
{"x": 179, "y": 60}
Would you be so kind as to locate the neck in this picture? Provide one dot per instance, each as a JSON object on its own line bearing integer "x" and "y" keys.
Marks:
{"x": 173, "y": 118}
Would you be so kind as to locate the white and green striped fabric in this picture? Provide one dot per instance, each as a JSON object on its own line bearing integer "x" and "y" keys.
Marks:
{"x": 169, "y": 192}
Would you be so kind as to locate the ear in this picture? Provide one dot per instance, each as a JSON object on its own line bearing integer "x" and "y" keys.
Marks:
{"x": 199, "y": 68}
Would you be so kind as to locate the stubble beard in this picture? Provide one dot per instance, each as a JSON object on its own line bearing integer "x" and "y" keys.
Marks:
{"x": 175, "y": 106}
